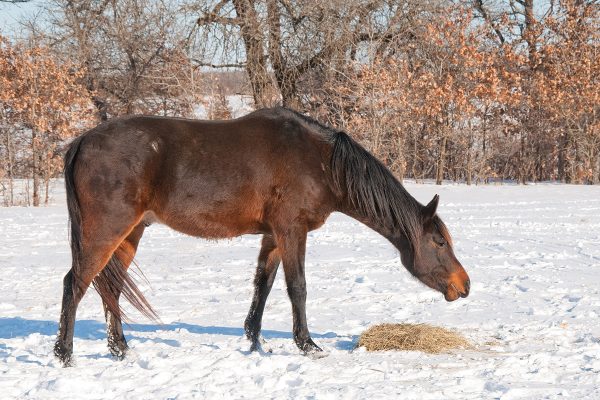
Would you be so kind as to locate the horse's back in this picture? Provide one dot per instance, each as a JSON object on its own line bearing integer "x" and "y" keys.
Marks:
{"x": 210, "y": 178}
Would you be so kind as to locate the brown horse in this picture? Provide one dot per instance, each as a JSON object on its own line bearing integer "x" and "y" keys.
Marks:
{"x": 273, "y": 172}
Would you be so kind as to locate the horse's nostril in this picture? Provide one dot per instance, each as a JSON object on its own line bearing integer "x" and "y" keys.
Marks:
{"x": 467, "y": 288}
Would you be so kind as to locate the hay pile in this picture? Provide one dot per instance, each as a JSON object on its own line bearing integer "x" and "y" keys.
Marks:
{"x": 413, "y": 337}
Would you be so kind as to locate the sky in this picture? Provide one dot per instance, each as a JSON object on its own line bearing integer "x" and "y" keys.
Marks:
{"x": 11, "y": 13}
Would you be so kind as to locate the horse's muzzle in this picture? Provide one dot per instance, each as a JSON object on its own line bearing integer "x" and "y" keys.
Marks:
{"x": 458, "y": 286}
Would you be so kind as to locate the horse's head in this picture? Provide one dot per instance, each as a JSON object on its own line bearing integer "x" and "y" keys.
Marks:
{"x": 431, "y": 258}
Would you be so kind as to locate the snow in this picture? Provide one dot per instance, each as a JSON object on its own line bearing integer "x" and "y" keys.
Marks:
{"x": 532, "y": 252}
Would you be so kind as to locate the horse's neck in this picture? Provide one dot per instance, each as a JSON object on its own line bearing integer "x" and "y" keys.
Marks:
{"x": 392, "y": 233}
{"x": 349, "y": 209}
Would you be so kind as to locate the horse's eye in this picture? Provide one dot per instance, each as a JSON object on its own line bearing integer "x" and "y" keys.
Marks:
{"x": 440, "y": 243}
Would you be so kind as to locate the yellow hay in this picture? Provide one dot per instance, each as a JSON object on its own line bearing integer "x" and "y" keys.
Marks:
{"x": 412, "y": 337}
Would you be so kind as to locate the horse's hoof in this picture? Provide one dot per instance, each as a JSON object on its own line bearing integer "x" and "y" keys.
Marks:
{"x": 314, "y": 352}
{"x": 67, "y": 362}
{"x": 255, "y": 346}
{"x": 259, "y": 346}
{"x": 118, "y": 352}
{"x": 309, "y": 347}
{"x": 64, "y": 355}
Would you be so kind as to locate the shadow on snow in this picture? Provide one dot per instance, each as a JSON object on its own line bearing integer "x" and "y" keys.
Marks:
{"x": 95, "y": 330}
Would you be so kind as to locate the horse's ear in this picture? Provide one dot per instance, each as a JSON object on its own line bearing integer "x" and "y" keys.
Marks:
{"x": 430, "y": 209}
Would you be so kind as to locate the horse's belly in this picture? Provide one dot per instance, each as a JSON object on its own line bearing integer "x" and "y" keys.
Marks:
{"x": 213, "y": 220}
{"x": 209, "y": 228}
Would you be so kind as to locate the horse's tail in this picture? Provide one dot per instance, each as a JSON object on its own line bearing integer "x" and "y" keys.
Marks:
{"x": 74, "y": 210}
{"x": 113, "y": 278}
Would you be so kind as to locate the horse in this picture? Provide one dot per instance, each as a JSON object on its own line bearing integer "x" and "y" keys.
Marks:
{"x": 274, "y": 172}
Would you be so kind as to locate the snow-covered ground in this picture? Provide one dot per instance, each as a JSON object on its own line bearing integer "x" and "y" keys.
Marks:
{"x": 533, "y": 254}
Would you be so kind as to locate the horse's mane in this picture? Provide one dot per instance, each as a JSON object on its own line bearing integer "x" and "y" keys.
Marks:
{"x": 369, "y": 185}
{"x": 442, "y": 229}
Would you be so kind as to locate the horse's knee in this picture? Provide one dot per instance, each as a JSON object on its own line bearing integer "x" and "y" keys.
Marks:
{"x": 251, "y": 326}
{"x": 72, "y": 293}
{"x": 297, "y": 290}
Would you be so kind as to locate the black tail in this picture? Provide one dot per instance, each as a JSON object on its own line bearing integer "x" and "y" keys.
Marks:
{"x": 74, "y": 210}
{"x": 113, "y": 279}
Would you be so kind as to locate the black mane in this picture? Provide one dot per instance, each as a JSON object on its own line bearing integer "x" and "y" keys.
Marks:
{"x": 369, "y": 185}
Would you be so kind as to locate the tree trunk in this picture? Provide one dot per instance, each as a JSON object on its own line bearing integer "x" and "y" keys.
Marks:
{"x": 9, "y": 167}
{"x": 522, "y": 161}
{"x": 469, "y": 168}
{"x": 256, "y": 61}
{"x": 596, "y": 172}
{"x": 415, "y": 160}
{"x": 35, "y": 169}
{"x": 439, "y": 176}
{"x": 46, "y": 181}
{"x": 562, "y": 150}
{"x": 400, "y": 159}
{"x": 529, "y": 33}
{"x": 284, "y": 78}
{"x": 47, "y": 189}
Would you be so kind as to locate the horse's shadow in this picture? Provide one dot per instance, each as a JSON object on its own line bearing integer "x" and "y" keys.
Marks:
{"x": 95, "y": 330}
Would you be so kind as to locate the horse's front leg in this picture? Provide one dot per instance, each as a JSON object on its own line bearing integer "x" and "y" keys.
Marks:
{"x": 292, "y": 245}
{"x": 266, "y": 270}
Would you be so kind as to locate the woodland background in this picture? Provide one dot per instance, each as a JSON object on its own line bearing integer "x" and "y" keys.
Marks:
{"x": 474, "y": 91}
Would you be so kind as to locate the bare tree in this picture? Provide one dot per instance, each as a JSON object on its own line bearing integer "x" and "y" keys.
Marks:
{"x": 130, "y": 49}
{"x": 288, "y": 46}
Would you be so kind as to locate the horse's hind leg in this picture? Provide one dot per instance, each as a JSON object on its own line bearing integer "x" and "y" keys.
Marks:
{"x": 63, "y": 348}
{"x": 97, "y": 246}
{"x": 113, "y": 276}
{"x": 268, "y": 262}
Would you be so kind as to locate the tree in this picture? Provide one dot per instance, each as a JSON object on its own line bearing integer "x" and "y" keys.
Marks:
{"x": 218, "y": 107}
{"x": 133, "y": 53}
{"x": 44, "y": 100}
{"x": 289, "y": 48}
{"x": 570, "y": 90}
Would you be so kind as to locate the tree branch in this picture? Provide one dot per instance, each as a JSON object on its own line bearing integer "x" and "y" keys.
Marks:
{"x": 479, "y": 7}
{"x": 215, "y": 16}
{"x": 199, "y": 63}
